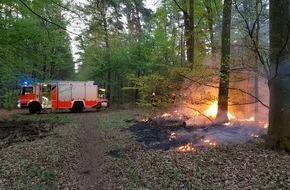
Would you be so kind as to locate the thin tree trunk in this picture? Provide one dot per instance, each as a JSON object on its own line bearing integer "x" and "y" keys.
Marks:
{"x": 210, "y": 19}
{"x": 189, "y": 30}
{"x": 256, "y": 86}
{"x": 190, "y": 44}
{"x": 108, "y": 61}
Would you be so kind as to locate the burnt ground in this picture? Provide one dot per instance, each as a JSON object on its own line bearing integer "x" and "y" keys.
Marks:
{"x": 23, "y": 131}
{"x": 155, "y": 133}
{"x": 166, "y": 133}
{"x": 141, "y": 155}
{"x": 160, "y": 134}
{"x": 88, "y": 151}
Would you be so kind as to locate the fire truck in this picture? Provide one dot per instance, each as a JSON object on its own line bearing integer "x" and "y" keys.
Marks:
{"x": 73, "y": 95}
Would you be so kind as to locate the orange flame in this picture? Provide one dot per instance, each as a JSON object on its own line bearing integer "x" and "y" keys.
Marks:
{"x": 212, "y": 111}
{"x": 248, "y": 119}
{"x": 210, "y": 143}
{"x": 264, "y": 124}
{"x": 172, "y": 136}
{"x": 186, "y": 148}
{"x": 166, "y": 115}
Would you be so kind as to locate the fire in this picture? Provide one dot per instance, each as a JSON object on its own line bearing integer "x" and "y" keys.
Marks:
{"x": 186, "y": 148}
{"x": 208, "y": 142}
{"x": 144, "y": 120}
{"x": 264, "y": 125}
{"x": 228, "y": 124}
{"x": 166, "y": 115}
{"x": 255, "y": 136}
{"x": 249, "y": 119}
{"x": 172, "y": 136}
{"x": 212, "y": 111}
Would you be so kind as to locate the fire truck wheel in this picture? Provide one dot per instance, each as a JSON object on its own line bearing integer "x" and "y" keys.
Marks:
{"x": 78, "y": 107}
{"x": 34, "y": 108}
{"x": 99, "y": 106}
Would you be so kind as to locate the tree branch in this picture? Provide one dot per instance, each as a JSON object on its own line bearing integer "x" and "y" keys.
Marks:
{"x": 180, "y": 7}
{"x": 46, "y": 20}
{"x": 230, "y": 88}
{"x": 65, "y": 8}
{"x": 250, "y": 32}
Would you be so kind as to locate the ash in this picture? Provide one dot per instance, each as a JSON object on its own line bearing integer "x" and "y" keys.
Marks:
{"x": 170, "y": 133}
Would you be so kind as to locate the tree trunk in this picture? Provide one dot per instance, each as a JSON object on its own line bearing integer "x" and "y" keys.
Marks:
{"x": 189, "y": 30}
{"x": 222, "y": 115}
{"x": 278, "y": 136}
{"x": 190, "y": 41}
{"x": 108, "y": 61}
{"x": 211, "y": 23}
{"x": 256, "y": 86}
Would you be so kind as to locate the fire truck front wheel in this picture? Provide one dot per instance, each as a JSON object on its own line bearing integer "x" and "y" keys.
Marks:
{"x": 34, "y": 107}
{"x": 99, "y": 106}
{"x": 78, "y": 107}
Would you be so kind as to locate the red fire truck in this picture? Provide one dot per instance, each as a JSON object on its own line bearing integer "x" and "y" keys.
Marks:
{"x": 73, "y": 95}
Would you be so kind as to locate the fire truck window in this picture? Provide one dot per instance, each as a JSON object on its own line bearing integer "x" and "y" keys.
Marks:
{"x": 27, "y": 90}
{"x": 46, "y": 88}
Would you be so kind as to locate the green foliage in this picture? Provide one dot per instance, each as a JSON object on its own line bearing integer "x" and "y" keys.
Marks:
{"x": 8, "y": 99}
{"x": 30, "y": 46}
{"x": 163, "y": 85}
{"x": 147, "y": 57}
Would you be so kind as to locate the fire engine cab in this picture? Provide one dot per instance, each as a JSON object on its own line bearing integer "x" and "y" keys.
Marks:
{"x": 73, "y": 95}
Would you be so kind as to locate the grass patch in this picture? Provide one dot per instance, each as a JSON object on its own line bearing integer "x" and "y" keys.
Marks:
{"x": 117, "y": 119}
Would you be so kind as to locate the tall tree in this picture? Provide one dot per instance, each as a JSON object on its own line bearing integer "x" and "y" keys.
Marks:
{"x": 31, "y": 45}
{"x": 212, "y": 8}
{"x": 225, "y": 63}
{"x": 112, "y": 37}
{"x": 278, "y": 136}
{"x": 187, "y": 8}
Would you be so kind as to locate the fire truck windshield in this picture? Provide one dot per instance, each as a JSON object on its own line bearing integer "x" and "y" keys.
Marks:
{"x": 27, "y": 90}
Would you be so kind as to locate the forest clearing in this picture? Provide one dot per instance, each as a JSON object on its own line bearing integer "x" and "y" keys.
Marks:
{"x": 112, "y": 149}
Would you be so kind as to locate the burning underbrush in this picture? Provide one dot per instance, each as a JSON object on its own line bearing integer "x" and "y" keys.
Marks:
{"x": 185, "y": 133}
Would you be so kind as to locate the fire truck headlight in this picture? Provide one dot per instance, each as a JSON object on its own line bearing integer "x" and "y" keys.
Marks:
{"x": 18, "y": 104}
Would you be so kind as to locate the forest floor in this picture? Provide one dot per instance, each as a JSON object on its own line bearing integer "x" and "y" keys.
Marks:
{"x": 116, "y": 149}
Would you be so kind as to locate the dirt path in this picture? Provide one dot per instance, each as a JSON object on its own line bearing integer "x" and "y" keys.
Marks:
{"x": 91, "y": 154}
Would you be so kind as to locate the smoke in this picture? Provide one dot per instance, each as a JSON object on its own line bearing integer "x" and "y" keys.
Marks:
{"x": 248, "y": 97}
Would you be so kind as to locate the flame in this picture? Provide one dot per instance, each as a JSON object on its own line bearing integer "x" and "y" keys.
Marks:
{"x": 208, "y": 142}
{"x": 172, "y": 136}
{"x": 166, "y": 115}
{"x": 255, "y": 136}
{"x": 247, "y": 119}
{"x": 228, "y": 124}
{"x": 251, "y": 119}
{"x": 212, "y": 111}
{"x": 144, "y": 120}
{"x": 186, "y": 148}
{"x": 264, "y": 125}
